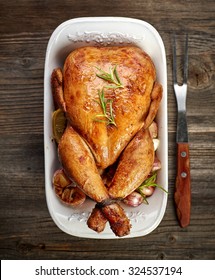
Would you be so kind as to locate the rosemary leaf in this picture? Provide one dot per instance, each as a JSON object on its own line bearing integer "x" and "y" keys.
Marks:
{"x": 117, "y": 76}
{"x": 103, "y": 103}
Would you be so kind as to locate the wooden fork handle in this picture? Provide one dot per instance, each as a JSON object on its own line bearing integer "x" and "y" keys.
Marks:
{"x": 182, "y": 194}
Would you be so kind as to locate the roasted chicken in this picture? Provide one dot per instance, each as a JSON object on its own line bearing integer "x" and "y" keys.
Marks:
{"x": 110, "y": 97}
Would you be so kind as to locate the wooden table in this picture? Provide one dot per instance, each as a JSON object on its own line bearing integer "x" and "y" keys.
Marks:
{"x": 26, "y": 228}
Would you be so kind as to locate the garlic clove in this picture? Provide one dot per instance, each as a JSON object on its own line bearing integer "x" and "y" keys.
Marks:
{"x": 134, "y": 199}
{"x": 156, "y": 143}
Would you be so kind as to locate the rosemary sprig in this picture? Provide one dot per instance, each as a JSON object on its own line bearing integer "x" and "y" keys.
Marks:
{"x": 149, "y": 182}
{"x": 114, "y": 82}
{"x": 106, "y": 117}
{"x": 111, "y": 77}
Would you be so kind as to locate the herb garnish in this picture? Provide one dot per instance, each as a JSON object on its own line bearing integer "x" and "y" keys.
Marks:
{"x": 111, "y": 77}
{"x": 149, "y": 182}
{"x": 108, "y": 116}
{"x": 114, "y": 82}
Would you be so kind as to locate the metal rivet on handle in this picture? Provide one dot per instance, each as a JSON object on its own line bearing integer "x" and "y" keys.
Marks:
{"x": 183, "y": 154}
{"x": 183, "y": 174}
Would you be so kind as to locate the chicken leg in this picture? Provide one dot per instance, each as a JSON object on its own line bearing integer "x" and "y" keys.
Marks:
{"x": 134, "y": 166}
{"x": 79, "y": 165}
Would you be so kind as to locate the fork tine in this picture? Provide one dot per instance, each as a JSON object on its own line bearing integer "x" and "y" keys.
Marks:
{"x": 185, "y": 61}
{"x": 174, "y": 61}
{"x": 185, "y": 70}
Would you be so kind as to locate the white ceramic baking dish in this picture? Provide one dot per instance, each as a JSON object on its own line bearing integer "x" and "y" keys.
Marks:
{"x": 104, "y": 31}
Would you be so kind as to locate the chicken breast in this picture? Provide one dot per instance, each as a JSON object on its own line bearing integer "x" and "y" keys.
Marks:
{"x": 130, "y": 102}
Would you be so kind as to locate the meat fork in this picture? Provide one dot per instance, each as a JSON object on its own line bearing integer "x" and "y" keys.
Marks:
{"x": 182, "y": 195}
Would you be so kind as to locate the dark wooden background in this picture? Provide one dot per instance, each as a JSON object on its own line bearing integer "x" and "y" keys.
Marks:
{"x": 26, "y": 228}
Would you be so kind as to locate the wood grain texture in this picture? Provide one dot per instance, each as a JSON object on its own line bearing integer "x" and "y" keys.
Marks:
{"x": 26, "y": 228}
